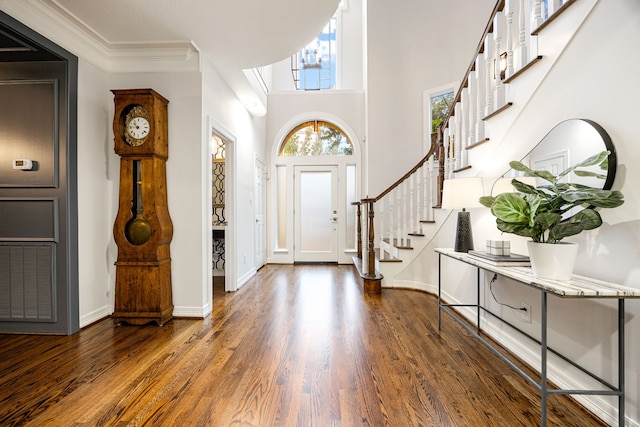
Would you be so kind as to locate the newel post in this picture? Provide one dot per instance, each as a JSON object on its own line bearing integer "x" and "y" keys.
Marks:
{"x": 358, "y": 206}
{"x": 371, "y": 254}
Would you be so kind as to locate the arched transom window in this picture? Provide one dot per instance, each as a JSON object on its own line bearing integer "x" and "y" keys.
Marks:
{"x": 316, "y": 138}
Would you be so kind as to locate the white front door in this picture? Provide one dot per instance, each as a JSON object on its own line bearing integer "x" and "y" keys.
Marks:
{"x": 316, "y": 214}
{"x": 259, "y": 207}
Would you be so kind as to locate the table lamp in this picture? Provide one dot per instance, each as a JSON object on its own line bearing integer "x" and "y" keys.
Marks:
{"x": 462, "y": 193}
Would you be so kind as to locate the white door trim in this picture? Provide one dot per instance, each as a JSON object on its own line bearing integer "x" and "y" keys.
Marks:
{"x": 260, "y": 205}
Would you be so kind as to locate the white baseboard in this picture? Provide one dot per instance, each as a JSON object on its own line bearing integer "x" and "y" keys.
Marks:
{"x": 195, "y": 312}
{"x": 94, "y": 316}
{"x": 245, "y": 278}
{"x": 410, "y": 284}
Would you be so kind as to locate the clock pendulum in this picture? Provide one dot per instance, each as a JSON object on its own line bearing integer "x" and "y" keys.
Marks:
{"x": 143, "y": 229}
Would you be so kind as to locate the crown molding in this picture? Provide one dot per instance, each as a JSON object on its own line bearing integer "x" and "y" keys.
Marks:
{"x": 57, "y": 24}
{"x": 154, "y": 57}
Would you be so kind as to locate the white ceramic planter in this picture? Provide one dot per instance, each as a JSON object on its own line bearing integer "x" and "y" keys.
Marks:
{"x": 553, "y": 261}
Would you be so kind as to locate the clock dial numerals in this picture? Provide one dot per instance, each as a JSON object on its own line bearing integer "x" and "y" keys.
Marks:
{"x": 136, "y": 126}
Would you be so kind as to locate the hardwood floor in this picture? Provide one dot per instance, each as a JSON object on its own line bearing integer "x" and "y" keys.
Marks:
{"x": 296, "y": 346}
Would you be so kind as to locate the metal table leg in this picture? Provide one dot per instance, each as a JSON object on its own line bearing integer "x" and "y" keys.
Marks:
{"x": 478, "y": 300}
{"x": 439, "y": 291}
{"x": 621, "y": 369}
{"x": 543, "y": 360}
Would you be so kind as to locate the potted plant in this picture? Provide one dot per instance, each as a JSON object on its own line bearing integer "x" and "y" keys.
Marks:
{"x": 548, "y": 213}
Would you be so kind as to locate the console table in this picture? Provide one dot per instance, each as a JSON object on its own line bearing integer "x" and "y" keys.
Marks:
{"x": 577, "y": 287}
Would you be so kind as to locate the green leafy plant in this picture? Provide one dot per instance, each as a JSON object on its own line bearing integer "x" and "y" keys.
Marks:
{"x": 544, "y": 213}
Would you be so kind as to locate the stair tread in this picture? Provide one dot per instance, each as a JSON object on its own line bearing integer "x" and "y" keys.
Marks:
{"x": 392, "y": 259}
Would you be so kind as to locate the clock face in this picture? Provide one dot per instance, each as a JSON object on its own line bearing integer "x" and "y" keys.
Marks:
{"x": 136, "y": 126}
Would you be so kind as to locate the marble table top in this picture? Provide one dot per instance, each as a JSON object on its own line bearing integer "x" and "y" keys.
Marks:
{"x": 577, "y": 287}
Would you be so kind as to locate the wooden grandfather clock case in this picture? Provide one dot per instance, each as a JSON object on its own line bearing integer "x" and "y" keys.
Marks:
{"x": 143, "y": 229}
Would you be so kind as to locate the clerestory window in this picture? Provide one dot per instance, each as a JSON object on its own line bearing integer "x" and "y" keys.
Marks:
{"x": 314, "y": 66}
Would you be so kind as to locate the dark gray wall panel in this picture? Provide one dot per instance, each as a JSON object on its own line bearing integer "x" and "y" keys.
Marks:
{"x": 28, "y": 219}
{"x": 28, "y": 130}
{"x": 26, "y": 282}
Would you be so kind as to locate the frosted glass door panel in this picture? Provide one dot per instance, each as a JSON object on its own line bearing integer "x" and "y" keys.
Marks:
{"x": 315, "y": 215}
{"x": 315, "y": 210}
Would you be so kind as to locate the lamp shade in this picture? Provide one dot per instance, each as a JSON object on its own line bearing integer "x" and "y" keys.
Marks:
{"x": 462, "y": 193}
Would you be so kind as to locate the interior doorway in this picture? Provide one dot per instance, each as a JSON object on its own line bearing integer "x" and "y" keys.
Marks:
{"x": 221, "y": 241}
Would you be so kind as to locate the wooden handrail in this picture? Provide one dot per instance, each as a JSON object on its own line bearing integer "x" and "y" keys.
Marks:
{"x": 435, "y": 140}
{"x": 465, "y": 79}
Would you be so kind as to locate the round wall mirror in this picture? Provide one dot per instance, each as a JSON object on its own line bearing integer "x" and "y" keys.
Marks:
{"x": 568, "y": 143}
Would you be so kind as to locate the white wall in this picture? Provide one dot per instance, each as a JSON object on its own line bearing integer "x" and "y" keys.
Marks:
{"x": 350, "y": 46}
{"x": 418, "y": 46}
{"x": 97, "y": 187}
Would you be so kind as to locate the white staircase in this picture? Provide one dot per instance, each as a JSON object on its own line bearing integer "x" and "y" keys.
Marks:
{"x": 487, "y": 105}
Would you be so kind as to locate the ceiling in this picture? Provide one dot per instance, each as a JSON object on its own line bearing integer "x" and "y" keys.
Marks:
{"x": 235, "y": 34}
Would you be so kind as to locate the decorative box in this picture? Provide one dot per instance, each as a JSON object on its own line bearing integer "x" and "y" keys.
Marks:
{"x": 499, "y": 247}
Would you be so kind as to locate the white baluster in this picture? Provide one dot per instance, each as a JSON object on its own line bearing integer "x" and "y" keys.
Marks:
{"x": 379, "y": 227}
{"x": 399, "y": 215}
{"x": 418, "y": 196}
{"x": 480, "y": 97}
{"x": 537, "y": 19}
{"x": 406, "y": 200}
{"x": 464, "y": 127}
{"x": 446, "y": 141}
{"x": 489, "y": 74}
{"x": 521, "y": 54}
{"x": 392, "y": 215}
{"x": 473, "y": 104}
{"x": 552, "y": 7}
{"x": 508, "y": 11}
{"x": 411, "y": 203}
{"x": 498, "y": 29}
{"x": 429, "y": 189}
{"x": 456, "y": 143}
{"x": 425, "y": 190}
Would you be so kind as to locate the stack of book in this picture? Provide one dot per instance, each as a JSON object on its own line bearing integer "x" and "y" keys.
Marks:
{"x": 513, "y": 260}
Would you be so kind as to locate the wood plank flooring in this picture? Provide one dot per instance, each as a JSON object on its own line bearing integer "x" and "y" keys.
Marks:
{"x": 296, "y": 346}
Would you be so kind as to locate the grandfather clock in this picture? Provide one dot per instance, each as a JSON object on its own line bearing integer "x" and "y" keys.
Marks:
{"x": 143, "y": 228}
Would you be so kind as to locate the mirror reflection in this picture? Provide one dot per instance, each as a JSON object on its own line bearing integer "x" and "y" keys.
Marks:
{"x": 569, "y": 142}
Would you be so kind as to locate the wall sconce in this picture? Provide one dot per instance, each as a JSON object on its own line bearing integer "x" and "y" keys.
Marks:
{"x": 503, "y": 65}
{"x": 462, "y": 193}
